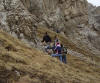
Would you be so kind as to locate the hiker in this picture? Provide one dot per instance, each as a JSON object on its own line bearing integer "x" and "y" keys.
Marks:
{"x": 54, "y": 43}
{"x": 58, "y": 48}
{"x": 57, "y": 51}
{"x": 47, "y": 40}
{"x": 64, "y": 52}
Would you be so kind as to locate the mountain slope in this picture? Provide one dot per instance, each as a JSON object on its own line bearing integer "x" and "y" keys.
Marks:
{"x": 68, "y": 43}
{"x": 28, "y": 20}
{"x": 21, "y": 64}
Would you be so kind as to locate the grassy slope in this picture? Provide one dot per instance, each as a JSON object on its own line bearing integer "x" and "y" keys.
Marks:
{"x": 69, "y": 44}
{"x": 37, "y": 67}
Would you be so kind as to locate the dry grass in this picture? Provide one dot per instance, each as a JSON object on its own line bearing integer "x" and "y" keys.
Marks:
{"x": 69, "y": 44}
{"x": 36, "y": 67}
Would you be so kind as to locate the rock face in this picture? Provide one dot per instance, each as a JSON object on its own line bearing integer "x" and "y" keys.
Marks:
{"x": 22, "y": 17}
{"x": 58, "y": 13}
{"x": 94, "y": 21}
{"x": 16, "y": 20}
{"x": 94, "y": 17}
{"x": 55, "y": 13}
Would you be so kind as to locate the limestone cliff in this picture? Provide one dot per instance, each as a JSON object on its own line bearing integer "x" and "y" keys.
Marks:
{"x": 22, "y": 17}
{"x": 94, "y": 21}
{"x": 57, "y": 14}
{"x": 16, "y": 20}
{"x": 94, "y": 17}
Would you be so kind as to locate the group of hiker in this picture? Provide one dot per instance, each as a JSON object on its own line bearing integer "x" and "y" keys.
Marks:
{"x": 55, "y": 48}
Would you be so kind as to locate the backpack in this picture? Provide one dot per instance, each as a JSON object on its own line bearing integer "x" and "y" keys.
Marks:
{"x": 64, "y": 50}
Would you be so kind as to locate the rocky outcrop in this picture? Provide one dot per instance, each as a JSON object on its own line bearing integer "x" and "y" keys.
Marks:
{"x": 94, "y": 21}
{"x": 94, "y": 17}
{"x": 16, "y": 20}
{"x": 58, "y": 13}
{"x": 22, "y": 17}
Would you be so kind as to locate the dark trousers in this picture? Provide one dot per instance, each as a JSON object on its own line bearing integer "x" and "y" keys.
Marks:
{"x": 64, "y": 58}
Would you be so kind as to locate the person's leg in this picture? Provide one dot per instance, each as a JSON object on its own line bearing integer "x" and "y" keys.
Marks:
{"x": 61, "y": 59}
{"x": 54, "y": 55}
{"x": 60, "y": 56}
{"x": 64, "y": 59}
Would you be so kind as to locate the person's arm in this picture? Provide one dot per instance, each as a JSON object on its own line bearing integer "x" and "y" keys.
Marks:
{"x": 56, "y": 48}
